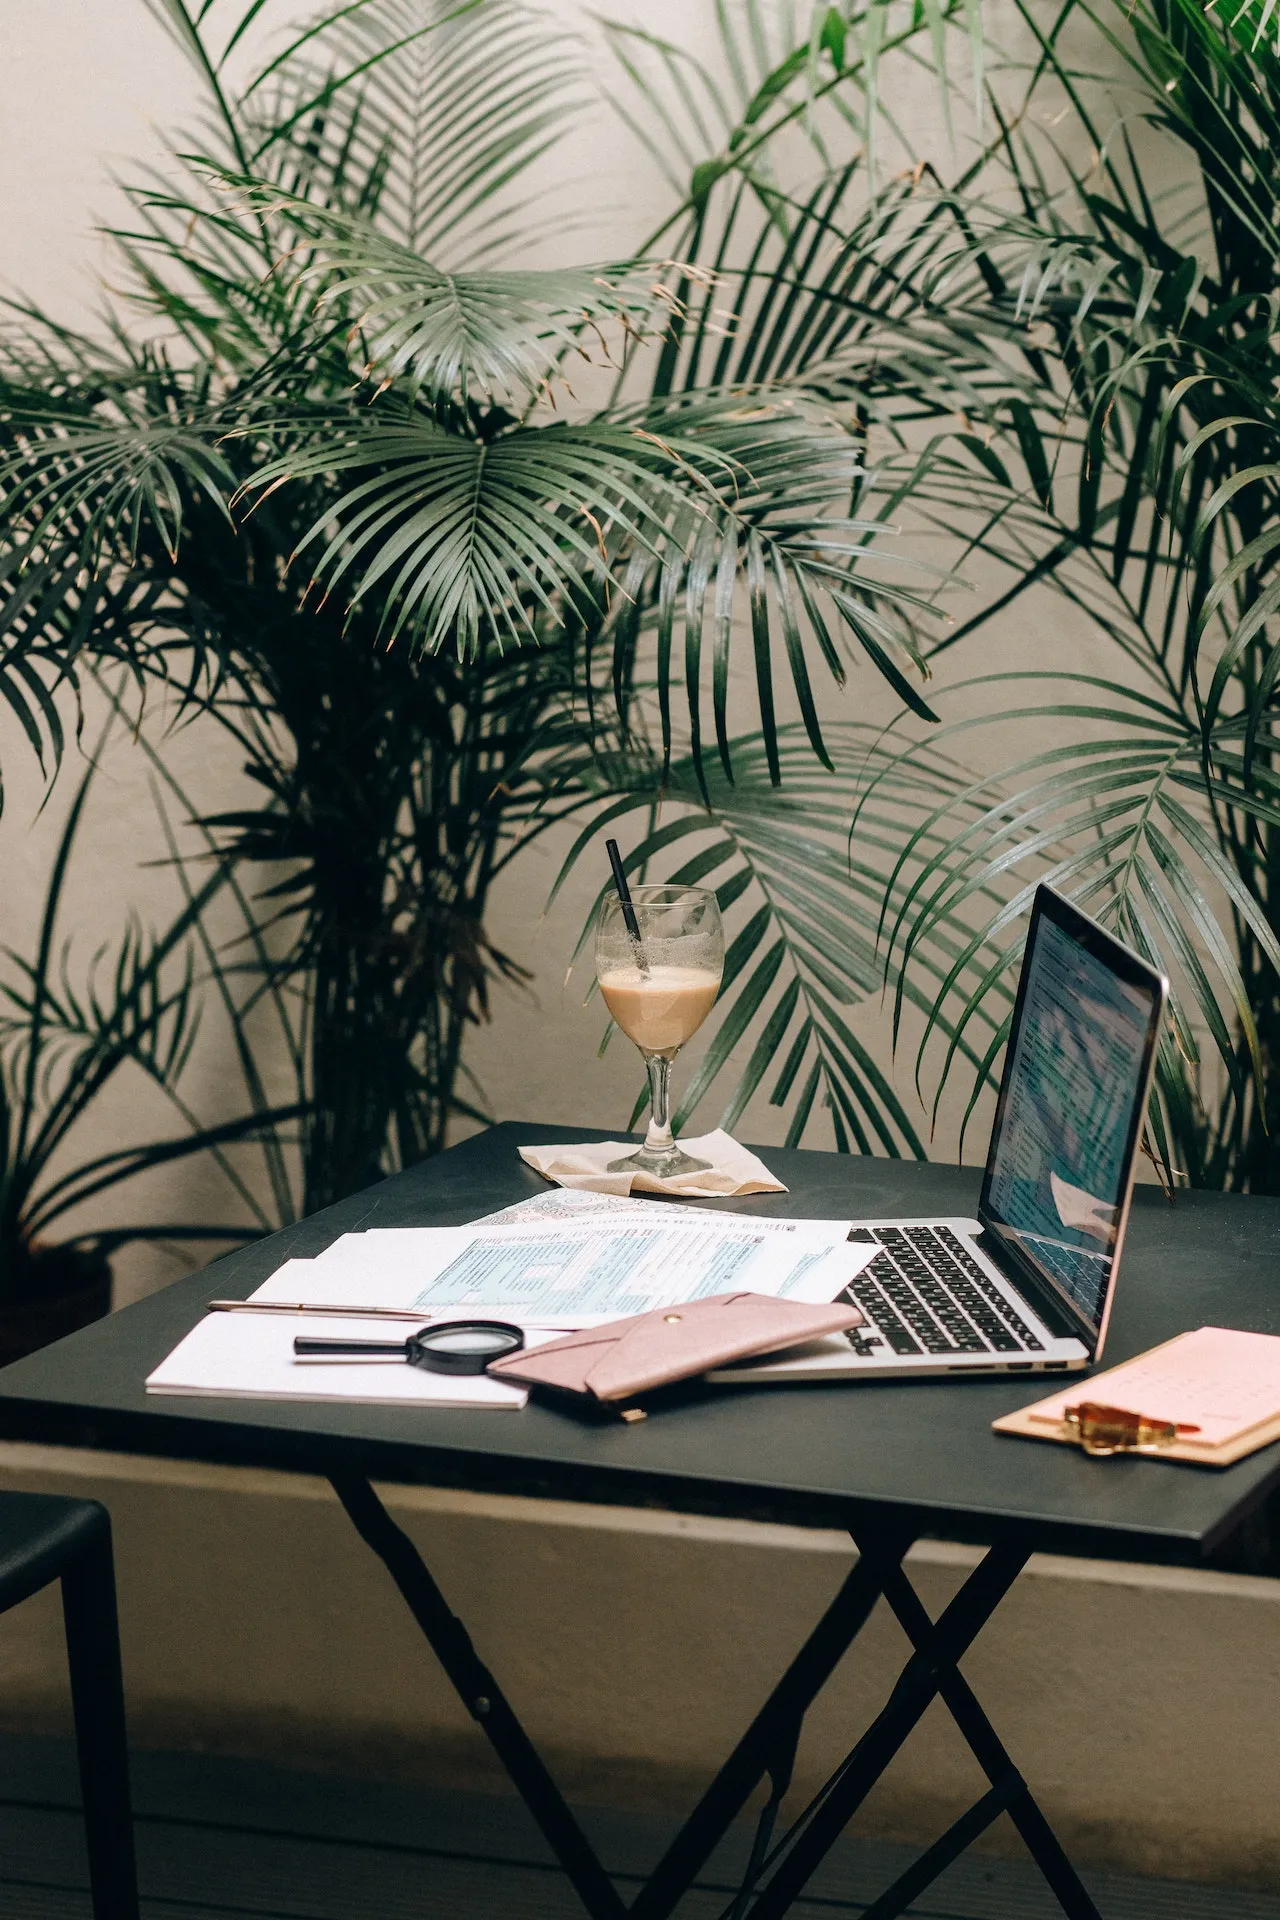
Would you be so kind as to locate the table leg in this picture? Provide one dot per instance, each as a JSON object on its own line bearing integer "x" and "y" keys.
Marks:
{"x": 483, "y": 1698}
{"x": 1041, "y": 1841}
{"x": 767, "y": 1747}
{"x": 931, "y": 1672}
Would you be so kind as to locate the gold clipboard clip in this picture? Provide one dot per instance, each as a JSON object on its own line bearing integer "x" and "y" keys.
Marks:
{"x": 1103, "y": 1430}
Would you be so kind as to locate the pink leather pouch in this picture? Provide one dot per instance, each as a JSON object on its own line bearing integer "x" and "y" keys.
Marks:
{"x": 604, "y": 1365}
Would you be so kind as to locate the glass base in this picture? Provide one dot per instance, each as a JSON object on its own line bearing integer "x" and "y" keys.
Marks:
{"x": 661, "y": 1163}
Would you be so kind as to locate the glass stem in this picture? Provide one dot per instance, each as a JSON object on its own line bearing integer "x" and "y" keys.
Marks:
{"x": 659, "y": 1137}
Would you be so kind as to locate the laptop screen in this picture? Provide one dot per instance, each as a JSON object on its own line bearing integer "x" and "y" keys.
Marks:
{"x": 1071, "y": 1104}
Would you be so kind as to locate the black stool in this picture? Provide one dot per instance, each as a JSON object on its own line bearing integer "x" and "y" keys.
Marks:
{"x": 45, "y": 1538}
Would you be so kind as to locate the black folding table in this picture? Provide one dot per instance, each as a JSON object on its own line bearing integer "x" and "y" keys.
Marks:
{"x": 888, "y": 1463}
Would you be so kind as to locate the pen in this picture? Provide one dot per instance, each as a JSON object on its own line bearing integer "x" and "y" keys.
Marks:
{"x": 310, "y": 1306}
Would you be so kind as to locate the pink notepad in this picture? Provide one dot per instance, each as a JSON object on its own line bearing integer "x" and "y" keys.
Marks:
{"x": 1221, "y": 1387}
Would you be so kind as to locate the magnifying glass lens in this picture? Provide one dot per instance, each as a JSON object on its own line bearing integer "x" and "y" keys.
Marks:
{"x": 464, "y": 1346}
{"x": 467, "y": 1340}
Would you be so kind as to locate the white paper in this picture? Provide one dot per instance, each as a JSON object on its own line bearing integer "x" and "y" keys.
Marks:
{"x": 292, "y": 1280}
{"x": 585, "y": 1204}
{"x": 579, "y": 1272}
{"x": 730, "y": 1169}
{"x": 562, "y": 1260}
{"x": 574, "y": 1203}
{"x": 250, "y": 1355}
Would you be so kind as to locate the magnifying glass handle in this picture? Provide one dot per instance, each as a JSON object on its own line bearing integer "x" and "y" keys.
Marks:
{"x": 314, "y": 1344}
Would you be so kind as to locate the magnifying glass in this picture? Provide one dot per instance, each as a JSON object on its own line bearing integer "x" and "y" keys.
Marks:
{"x": 454, "y": 1346}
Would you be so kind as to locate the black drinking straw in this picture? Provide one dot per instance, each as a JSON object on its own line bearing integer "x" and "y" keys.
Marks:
{"x": 626, "y": 902}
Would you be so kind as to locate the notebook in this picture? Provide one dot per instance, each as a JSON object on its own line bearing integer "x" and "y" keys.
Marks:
{"x": 1220, "y": 1387}
{"x": 251, "y": 1356}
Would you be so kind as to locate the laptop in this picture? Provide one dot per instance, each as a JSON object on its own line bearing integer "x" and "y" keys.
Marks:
{"x": 1026, "y": 1287}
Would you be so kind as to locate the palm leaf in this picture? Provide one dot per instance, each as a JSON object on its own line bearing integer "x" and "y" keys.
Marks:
{"x": 477, "y": 334}
{"x": 436, "y": 136}
{"x": 468, "y": 542}
{"x": 804, "y": 970}
{"x": 96, "y": 469}
{"x": 1121, "y": 819}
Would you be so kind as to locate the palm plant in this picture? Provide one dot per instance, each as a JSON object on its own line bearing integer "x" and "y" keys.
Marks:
{"x": 522, "y": 607}
{"x": 1126, "y": 456}
{"x": 1066, "y": 392}
{"x": 378, "y": 780}
{"x": 65, "y": 1042}
{"x": 346, "y": 367}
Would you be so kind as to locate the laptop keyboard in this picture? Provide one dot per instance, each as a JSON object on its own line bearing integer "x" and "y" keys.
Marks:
{"x": 925, "y": 1293}
{"x": 1075, "y": 1267}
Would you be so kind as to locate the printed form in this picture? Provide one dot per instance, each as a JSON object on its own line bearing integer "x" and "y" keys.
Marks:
{"x": 555, "y": 1263}
{"x": 576, "y": 1271}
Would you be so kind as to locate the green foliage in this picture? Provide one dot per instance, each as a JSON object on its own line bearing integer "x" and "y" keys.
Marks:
{"x": 1127, "y": 455}
{"x": 65, "y": 1043}
{"x": 1066, "y": 371}
{"x": 341, "y": 365}
{"x": 509, "y": 606}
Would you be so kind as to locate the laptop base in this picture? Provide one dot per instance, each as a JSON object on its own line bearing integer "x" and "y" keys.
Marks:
{"x": 935, "y": 1306}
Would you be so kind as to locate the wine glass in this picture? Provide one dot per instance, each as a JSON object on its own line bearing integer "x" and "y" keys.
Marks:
{"x": 660, "y": 982}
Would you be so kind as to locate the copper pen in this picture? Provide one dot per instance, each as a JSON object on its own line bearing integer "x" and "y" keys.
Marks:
{"x": 415, "y": 1314}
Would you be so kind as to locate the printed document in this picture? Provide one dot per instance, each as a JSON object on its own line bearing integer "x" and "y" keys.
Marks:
{"x": 561, "y": 1261}
{"x": 570, "y": 1273}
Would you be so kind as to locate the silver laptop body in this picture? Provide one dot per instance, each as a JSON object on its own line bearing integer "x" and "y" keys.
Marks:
{"x": 1027, "y": 1286}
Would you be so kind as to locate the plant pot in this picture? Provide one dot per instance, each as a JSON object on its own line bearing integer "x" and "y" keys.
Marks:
{"x": 69, "y": 1288}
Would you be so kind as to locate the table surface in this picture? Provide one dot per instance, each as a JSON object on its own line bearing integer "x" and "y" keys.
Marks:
{"x": 919, "y": 1454}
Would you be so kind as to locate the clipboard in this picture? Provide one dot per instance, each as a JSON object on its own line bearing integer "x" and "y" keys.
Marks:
{"x": 1206, "y": 1398}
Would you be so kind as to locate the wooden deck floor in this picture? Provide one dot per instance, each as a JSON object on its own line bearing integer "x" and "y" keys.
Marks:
{"x": 222, "y": 1840}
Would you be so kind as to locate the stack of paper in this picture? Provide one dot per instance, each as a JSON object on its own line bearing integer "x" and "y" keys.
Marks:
{"x": 251, "y": 1354}
{"x": 572, "y": 1272}
{"x": 563, "y": 1260}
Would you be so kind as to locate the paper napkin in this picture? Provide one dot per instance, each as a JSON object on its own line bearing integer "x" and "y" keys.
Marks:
{"x": 733, "y": 1169}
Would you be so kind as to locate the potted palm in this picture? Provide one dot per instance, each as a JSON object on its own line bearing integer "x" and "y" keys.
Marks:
{"x": 64, "y": 1045}
{"x": 504, "y": 603}
{"x": 522, "y": 604}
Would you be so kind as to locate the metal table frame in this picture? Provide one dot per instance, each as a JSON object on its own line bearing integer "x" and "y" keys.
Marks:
{"x": 768, "y": 1747}
{"x": 862, "y": 1461}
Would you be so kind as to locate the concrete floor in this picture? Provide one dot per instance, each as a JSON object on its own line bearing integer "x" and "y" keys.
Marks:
{"x": 228, "y": 1840}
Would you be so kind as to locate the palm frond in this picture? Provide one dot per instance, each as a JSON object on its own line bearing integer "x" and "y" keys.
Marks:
{"x": 475, "y": 334}
{"x": 1126, "y": 816}
{"x": 469, "y": 542}
{"x": 90, "y": 470}
{"x": 388, "y": 109}
{"x": 69, "y": 1030}
{"x": 803, "y": 969}
{"x": 436, "y": 136}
